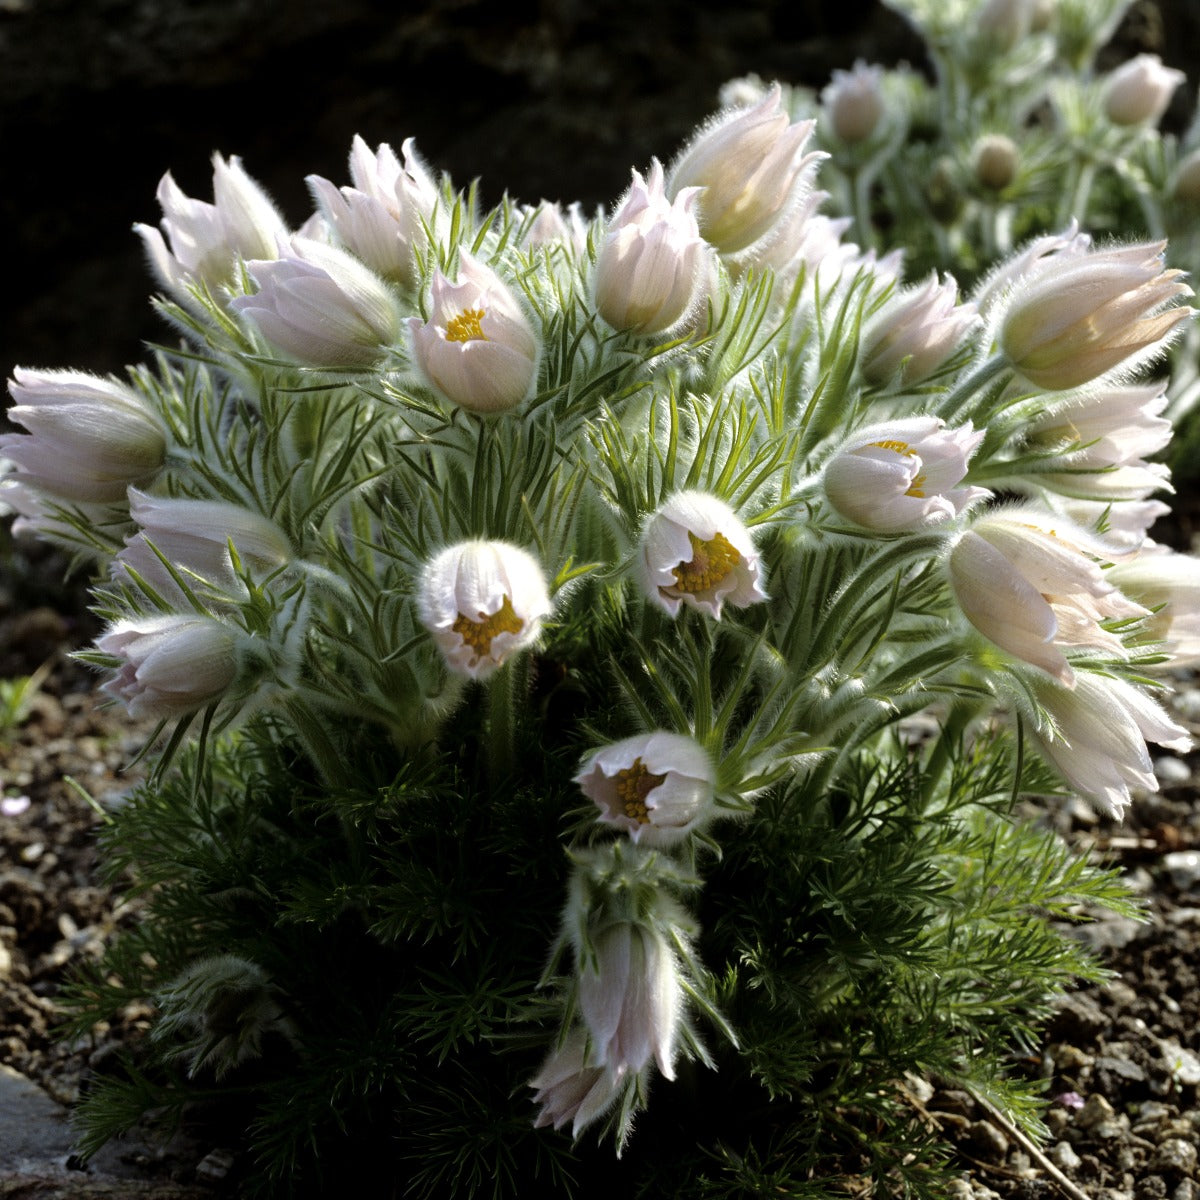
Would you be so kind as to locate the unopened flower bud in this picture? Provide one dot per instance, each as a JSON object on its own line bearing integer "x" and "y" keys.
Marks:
{"x": 477, "y": 348}
{"x": 916, "y": 332}
{"x": 651, "y": 261}
{"x": 902, "y": 475}
{"x": 696, "y": 551}
{"x": 750, "y": 164}
{"x": 1068, "y": 323}
{"x": 1139, "y": 91}
{"x": 854, "y": 102}
{"x": 88, "y": 440}
{"x": 994, "y": 159}
{"x": 1187, "y": 179}
{"x": 656, "y": 787}
{"x": 483, "y": 602}
{"x": 169, "y": 665}
{"x": 1005, "y": 23}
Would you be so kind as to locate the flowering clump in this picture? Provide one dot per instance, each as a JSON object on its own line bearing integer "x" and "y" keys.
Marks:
{"x": 601, "y": 653}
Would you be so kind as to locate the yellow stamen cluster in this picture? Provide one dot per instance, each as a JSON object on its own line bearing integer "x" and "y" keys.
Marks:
{"x": 634, "y": 784}
{"x": 478, "y": 634}
{"x": 466, "y": 327}
{"x": 711, "y": 562}
{"x": 904, "y": 448}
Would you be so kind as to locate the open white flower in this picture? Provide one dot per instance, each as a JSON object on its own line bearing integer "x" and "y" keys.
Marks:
{"x": 568, "y": 1089}
{"x": 903, "y": 474}
{"x": 482, "y": 602}
{"x": 695, "y": 550}
{"x": 656, "y": 787}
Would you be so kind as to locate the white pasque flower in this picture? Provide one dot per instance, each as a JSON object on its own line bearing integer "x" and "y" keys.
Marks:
{"x": 916, "y": 331}
{"x": 1168, "y": 584}
{"x": 695, "y": 550}
{"x": 570, "y": 1090}
{"x": 656, "y": 787}
{"x": 169, "y": 665}
{"x": 750, "y": 165}
{"x": 1000, "y": 282}
{"x": 206, "y": 240}
{"x": 631, "y": 999}
{"x": 383, "y": 217}
{"x": 1139, "y": 91}
{"x": 902, "y": 475}
{"x": 853, "y": 101}
{"x": 321, "y": 306}
{"x": 1030, "y": 582}
{"x": 482, "y": 602}
{"x": 477, "y": 348}
{"x": 1099, "y": 735}
{"x": 194, "y": 536}
{"x": 89, "y": 439}
{"x": 650, "y": 266}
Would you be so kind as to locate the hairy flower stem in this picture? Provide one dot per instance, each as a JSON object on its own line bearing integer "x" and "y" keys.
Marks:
{"x": 975, "y": 382}
{"x": 501, "y": 696}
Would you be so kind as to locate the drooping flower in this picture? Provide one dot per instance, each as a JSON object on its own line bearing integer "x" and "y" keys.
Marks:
{"x": 1168, "y": 584}
{"x": 382, "y": 219}
{"x": 568, "y": 1089}
{"x": 482, "y": 602}
{"x": 854, "y": 102}
{"x": 169, "y": 665}
{"x": 1139, "y": 91}
{"x": 477, "y": 348}
{"x": 89, "y": 438}
{"x": 206, "y": 240}
{"x": 695, "y": 550}
{"x": 656, "y": 787}
{"x": 749, "y": 162}
{"x": 650, "y": 265}
{"x": 1073, "y": 319}
{"x": 631, "y": 999}
{"x": 916, "y": 332}
{"x": 1099, "y": 735}
{"x": 321, "y": 306}
{"x": 1030, "y": 582}
{"x": 903, "y": 474}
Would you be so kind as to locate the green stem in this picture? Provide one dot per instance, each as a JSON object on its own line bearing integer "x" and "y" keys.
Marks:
{"x": 976, "y": 381}
{"x": 501, "y": 696}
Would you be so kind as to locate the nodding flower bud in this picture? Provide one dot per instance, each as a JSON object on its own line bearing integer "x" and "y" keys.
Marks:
{"x": 483, "y": 602}
{"x": 994, "y": 159}
{"x": 696, "y": 551}
{"x": 750, "y": 165}
{"x": 568, "y": 1089}
{"x": 901, "y": 475}
{"x": 854, "y": 102}
{"x": 1075, "y": 317}
{"x": 1139, "y": 91}
{"x": 1005, "y": 23}
{"x": 916, "y": 332}
{"x": 477, "y": 348}
{"x": 651, "y": 263}
{"x": 88, "y": 439}
{"x": 321, "y": 306}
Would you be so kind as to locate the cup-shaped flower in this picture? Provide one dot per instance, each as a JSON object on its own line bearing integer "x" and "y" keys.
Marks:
{"x": 570, "y": 1090}
{"x": 1168, "y": 584}
{"x": 1029, "y": 581}
{"x": 169, "y": 665}
{"x": 656, "y": 787}
{"x": 477, "y": 348}
{"x": 994, "y": 160}
{"x": 384, "y": 216}
{"x": 1139, "y": 91}
{"x": 854, "y": 102}
{"x": 695, "y": 550}
{"x": 1106, "y": 427}
{"x": 206, "y": 240}
{"x": 750, "y": 165}
{"x": 902, "y": 475}
{"x": 321, "y": 306}
{"x": 1070, "y": 322}
{"x": 631, "y": 999}
{"x": 195, "y": 536}
{"x": 1001, "y": 281}
{"x": 915, "y": 332}
{"x": 1098, "y": 737}
{"x": 651, "y": 263}
{"x": 482, "y": 602}
{"x": 88, "y": 440}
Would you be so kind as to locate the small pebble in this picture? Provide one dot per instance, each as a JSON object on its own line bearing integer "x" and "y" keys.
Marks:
{"x": 1183, "y": 1064}
{"x": 1063, "y": 1156}
{"x": 1095, "y": 1110}
{"x": 1153, "y": 1187}
{"x": 1170, "y": 769}
{"x": 1186, "y": 1190}
{"x": 990, "y": 1143}
{"x": 1174, "y": 1157}
{"x": 1184, "y": 868}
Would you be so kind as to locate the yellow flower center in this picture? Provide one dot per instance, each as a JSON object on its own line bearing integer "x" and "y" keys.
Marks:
{"x": 711, "y": 562}
{"x": 466, "y": 326}
{"x": 904, "y": 448}
{"x": 634, "y": 784}
{"x": 478, "y": 634}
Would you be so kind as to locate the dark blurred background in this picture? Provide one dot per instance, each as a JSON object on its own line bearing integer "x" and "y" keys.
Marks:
{"x": 542, "y": 98}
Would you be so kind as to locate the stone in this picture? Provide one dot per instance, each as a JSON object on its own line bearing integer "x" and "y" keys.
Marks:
{"x": 1095, "y": 1110}
{"x": 988, "y": 1141}
{"x": 1063, "y": 1156}
{"x": 1174, "y": 1157}
{"x": 33, "y": 1129}
{"x": 1183, "y": 867}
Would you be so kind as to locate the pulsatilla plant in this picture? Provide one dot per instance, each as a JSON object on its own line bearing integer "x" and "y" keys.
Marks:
{"x": 595, "y": 658}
